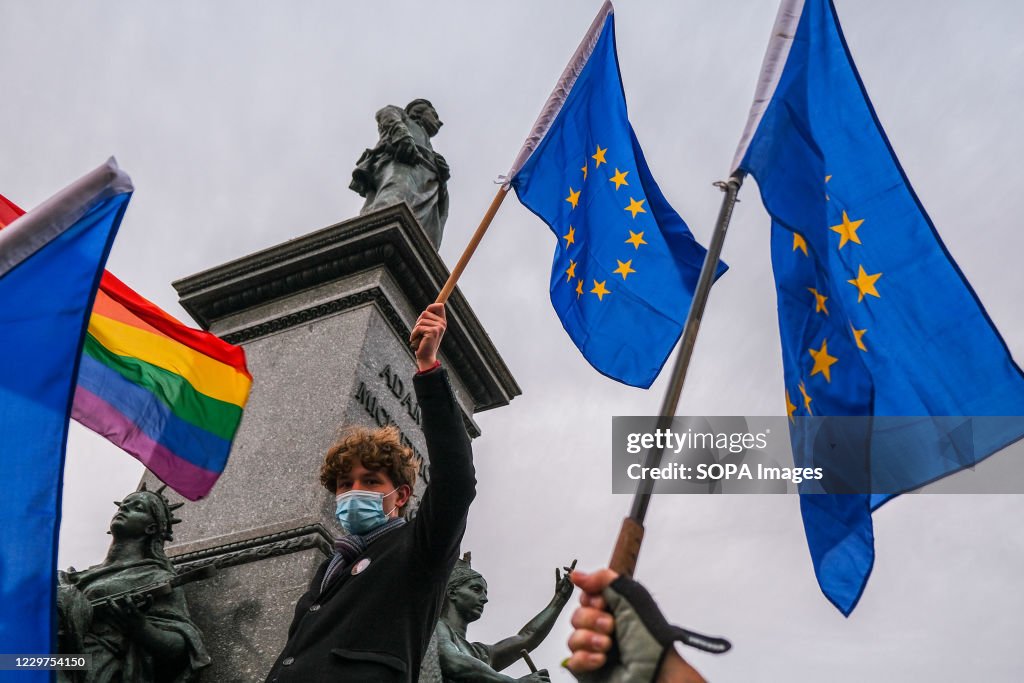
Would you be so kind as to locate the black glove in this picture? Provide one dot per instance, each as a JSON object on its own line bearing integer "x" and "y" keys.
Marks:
{"x": 642, "y": 636}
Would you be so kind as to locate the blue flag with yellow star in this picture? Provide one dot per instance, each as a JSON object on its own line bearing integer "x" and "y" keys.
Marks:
{"x": 876, "y": 318}
{"x": 626, "y": 264}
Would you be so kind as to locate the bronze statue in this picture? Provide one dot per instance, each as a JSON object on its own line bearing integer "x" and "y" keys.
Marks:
{"x": 404, "y": 167}
{"x": 127, "y": 612}
{"x": 457, "y": 659}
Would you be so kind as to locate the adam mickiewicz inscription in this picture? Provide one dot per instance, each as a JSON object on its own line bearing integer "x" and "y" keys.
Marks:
{"x": 374, "y": 406}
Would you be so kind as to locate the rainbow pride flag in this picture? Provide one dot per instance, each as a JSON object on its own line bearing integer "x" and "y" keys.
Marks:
{"x": 169, "y": 395}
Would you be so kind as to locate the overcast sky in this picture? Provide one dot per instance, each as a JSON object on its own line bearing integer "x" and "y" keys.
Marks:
{"x": 240, "y": 123}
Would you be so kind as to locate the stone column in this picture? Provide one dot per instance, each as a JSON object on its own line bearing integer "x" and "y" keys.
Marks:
{"x": 324, "y": 320}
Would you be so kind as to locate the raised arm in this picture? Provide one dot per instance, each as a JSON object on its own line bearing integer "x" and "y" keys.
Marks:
{"x": 441, "y": 520}
{"x": 507, "y": 651}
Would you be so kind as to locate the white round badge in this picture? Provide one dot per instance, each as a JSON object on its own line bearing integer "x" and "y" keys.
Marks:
{"x": 361, "y": 565}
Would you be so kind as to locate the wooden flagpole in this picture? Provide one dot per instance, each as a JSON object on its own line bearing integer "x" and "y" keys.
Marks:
{"x": 467, "y": 254}
{"x": 474, "y": 241}
{"x": 631, "y": 535}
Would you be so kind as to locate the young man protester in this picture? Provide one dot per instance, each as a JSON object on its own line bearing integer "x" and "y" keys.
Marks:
{"x": 370, "y": 609}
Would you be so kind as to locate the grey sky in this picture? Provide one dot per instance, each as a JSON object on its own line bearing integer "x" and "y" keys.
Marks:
{"x": 240, "y": 122}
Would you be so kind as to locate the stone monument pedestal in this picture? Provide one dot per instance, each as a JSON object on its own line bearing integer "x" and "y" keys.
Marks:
{"x": 324, "y": 320}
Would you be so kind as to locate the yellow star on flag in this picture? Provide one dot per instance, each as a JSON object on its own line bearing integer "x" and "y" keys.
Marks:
{"x": 599, "y": 157}
{"x": 865, "y": 284}
{"x": 569, "y": 237}
{"x": 827, "y": 198}
{"x": 799, "y": 243}
{"x": 579, "y": 288}
{"x": 574, "y": 197}
{"x": 790, "y": 407}
{"x": 636, "y": 239}
{"x": 571, "y": 272}
{"x": 636, "y": 207}
{"x": 624, "y": 269}
{"x": 858, "y": 336}
{"x": 600, "y": 290}
{"x": 584, "y": 169}
{"x": 822, "y": 361}
{"x": 807, "y": 399}
{"x": 847, "y": 230}
{"x": 619, "y": 178}
{"x": 820, "y": 300}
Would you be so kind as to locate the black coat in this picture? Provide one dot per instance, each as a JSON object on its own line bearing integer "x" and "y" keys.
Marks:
{"x": 375, "y": 625}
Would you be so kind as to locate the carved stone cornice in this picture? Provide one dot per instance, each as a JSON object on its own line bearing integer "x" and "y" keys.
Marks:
{"x": 312, "y": 536}
{"x": 377, "y": 297}
{"x": 389, "y": 239}
{"x": 374, "y": 295}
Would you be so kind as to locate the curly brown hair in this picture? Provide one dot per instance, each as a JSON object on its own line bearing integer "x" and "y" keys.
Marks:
{"x": 377, "y": 449}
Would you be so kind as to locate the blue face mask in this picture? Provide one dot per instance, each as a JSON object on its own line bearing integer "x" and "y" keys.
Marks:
{"x": 361, "y": 511}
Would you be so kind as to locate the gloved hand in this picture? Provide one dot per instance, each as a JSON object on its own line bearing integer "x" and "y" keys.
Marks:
{"x": 640, "y": 636}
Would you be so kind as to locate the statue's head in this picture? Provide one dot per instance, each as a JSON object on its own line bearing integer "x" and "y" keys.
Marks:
{"x": 145, "y": 514}
{"x": 467, "y": 590}
{"x": 372, "y": 451}
{"x": 423, "y": 112}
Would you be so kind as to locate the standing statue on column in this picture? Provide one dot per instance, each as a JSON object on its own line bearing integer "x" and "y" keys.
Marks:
{"x": 125, "y": 612}
{"x": 404, "y": 167}
{"x": 457, "y": 659}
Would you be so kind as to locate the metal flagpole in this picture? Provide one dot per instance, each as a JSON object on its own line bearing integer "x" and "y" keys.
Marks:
{"x": 631, "y": 535}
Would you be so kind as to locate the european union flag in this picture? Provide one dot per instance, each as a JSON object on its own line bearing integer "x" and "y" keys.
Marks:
{"x": 626, "y": 264}
{"x": 51, "y": 260}
{"x": 875, "y": 317}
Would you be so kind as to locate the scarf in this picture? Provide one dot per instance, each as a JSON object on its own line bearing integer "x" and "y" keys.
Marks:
{"x": 348, "y": 548}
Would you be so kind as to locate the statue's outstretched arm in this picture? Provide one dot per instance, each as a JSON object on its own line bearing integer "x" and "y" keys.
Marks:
{"x": 507, "y": 651}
